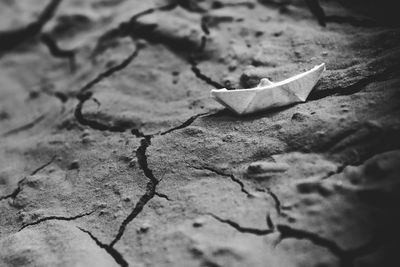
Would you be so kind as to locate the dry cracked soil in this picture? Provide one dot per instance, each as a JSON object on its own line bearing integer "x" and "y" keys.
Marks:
{"x": 113, "y": 154}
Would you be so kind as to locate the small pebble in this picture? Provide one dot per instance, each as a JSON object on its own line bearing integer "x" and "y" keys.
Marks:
{"x": 198, "y": 222}
{"x": 86, "y": 132}
{"x": 259, "y": 33}
{"x": 74, "y": 165}
{"x": 299, "y": 117}
{"x": 144, "y": 227}
{"x": 133, "y": 162}
{"x": 87, "y": 140}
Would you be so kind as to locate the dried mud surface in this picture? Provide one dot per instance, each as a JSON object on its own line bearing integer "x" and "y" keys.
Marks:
{"x": 113, "y": 154}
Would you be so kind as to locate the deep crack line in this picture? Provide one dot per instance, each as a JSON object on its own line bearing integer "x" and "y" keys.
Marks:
{"x": 84, "y": 95}
{"x": 59, "y": 218}
{"x": 12, "y": 38}
{"x": 43, "y": 166}
{"x": 197, "y": 72}
{"x": 113, "y": 69}
{"x": 110, "y": 250}
{"x": 125, "y": 28}
{"x": 276, "y": 200}
{"x": 93, "y": 123}
{"x": 150, "y": 190}
{"x": 58, "y": 52}
{"x": 242, "y": 229}
{"x": 16, "y": 191}
{"x": 233, "y": 179}
{"x": 185, "y": 124}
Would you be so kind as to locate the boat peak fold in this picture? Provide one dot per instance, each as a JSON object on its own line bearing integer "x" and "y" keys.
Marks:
{"x": 269, "y": 94}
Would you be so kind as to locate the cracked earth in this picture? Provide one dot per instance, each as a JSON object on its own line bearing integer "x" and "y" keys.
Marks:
{"x": 113, "y": 154}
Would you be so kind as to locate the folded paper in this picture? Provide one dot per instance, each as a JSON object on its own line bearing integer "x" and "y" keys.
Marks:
{"x": 268, "y": 94}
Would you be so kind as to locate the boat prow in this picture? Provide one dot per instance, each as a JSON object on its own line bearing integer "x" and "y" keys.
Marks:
{"x": 268, "y": 94}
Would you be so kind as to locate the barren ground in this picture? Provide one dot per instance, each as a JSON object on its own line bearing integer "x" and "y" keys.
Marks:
{"x": 113, "y": 154}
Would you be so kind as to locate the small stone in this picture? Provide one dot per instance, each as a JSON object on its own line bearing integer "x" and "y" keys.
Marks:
{"x": 320, "y": 134}
{"x": 4, "y": 115}
{"x": 144, "y": 227}
{"x": 324, "y": 53}
{"x": 133, "y": 162}
{"x": 198, "y": 222}
{"x": 101, "y": 205}
{"x": 87, "y": 140}
{"x": 74, "y": 165}
{"x": 232, "y": 65}
{"x": 34, "y": 94}
{"x": 259, "y": 33}
{"x": 299, "y": 117}
{"x": 86, "y": 132}
{"x": 227, "y": 138}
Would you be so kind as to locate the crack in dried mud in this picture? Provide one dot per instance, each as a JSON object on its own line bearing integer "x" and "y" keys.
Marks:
{"x": 161, "y": 195}
{"x": 57, "y": 218}
{"x": 24, "y": 127}
{"x": 17, "y": 190}
{"x": 93, "y": 123}
{"x": 230, "y": 176}
{"x": 186, "y": 123}
{"x": 131, "y": 28}
{"x": 110, "y": 250}
{"x": 150, "y": 188}
{"x": 276, "y": 201}
{"x": 11, "y": 39}
{"x": 58, "y": 52}
{"x": 246, "y": 230}
{"x": 198, "y": 73}
{"x": 194, "y": 64}
{"x": 113, "y": 69}
{"x": 233, "y": 179}
{"x": 84, "y": 95}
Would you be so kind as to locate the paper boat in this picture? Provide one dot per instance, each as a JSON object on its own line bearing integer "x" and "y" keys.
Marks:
{"x": 268, "y": 94}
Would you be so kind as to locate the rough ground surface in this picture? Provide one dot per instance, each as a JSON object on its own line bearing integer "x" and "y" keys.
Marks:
{"x": 112, "y": 153}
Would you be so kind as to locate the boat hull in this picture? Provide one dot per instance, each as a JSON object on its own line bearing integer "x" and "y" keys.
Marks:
{"x": 293, "y": 90}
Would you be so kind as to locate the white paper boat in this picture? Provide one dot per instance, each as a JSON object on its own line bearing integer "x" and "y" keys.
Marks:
{"x": 268, "y": 94}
